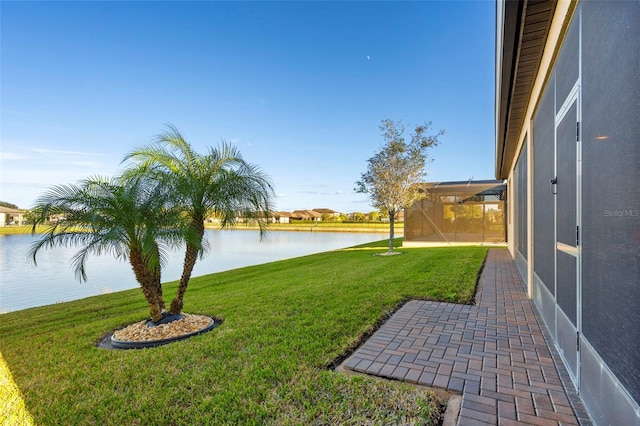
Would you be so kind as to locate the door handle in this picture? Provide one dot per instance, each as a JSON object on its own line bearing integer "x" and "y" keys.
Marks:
{"x": 553, "y": 185}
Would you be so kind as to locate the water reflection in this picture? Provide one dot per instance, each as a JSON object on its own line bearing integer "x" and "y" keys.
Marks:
{"x": 23, "y": 285}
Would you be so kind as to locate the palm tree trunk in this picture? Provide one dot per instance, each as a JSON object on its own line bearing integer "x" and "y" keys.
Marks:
{"x": 157, "y": 281}
{"x": 190, "y": 257}
{"x": 149, "y": 284}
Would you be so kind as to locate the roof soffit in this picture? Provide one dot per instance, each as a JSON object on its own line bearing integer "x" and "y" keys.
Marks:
{"x": 524, "y": 34}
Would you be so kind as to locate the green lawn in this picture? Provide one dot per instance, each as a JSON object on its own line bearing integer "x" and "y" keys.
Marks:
{"x": 24, "y": 229}
{"x": 284, "y": 324}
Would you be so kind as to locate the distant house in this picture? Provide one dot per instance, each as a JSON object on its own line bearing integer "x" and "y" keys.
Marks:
{"x": 9, "y": 216}
{"x": 56, "y": 218}
{"x": 328, "y": 212}
{"x": 280, "y": 217}
{"x": 306, "y": 215}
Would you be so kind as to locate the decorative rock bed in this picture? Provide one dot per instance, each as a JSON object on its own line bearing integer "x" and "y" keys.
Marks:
{"x": 146, "y": 334}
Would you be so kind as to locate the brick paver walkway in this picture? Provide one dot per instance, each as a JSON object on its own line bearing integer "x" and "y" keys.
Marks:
{"x": 494, "y": 353}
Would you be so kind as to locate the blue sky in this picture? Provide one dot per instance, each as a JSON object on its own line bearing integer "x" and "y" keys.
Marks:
{"x": 299, "y": 87}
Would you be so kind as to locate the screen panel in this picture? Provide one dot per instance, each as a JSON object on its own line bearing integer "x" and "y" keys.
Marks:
{"x": 610, "y": 185}
{"x": 458, "y": 211}
{"x": 566, "y": 146}
{"x": 567, "y": 285}
{"x": 543, "y": 199}
{"x": 567, "y": 66}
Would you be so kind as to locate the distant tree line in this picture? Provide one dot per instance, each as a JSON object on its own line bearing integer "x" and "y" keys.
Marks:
{"x": 9, "y": 205}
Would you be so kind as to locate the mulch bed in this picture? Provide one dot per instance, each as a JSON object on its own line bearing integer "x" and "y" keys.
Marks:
{"x": 144, "y": 334}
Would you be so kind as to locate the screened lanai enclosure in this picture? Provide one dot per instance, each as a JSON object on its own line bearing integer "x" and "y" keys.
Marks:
{"x": 455, "y": 212}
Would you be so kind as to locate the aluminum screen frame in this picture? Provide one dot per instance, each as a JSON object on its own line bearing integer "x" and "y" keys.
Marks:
{"x": 521, "y": 203}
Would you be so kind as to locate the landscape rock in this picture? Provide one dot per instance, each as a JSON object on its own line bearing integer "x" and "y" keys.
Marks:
{"x": 143, "y": 332}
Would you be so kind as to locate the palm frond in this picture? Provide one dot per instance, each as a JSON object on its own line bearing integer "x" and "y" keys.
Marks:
{"x": 109, "y": 216}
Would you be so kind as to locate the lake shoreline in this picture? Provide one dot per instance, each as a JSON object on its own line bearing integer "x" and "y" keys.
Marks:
{"x": 312, "y": 228}
{"x": 380, "y": 228}
{"x": 53, "y": 280}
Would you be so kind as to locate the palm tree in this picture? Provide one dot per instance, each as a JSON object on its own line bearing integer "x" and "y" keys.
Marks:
{"x": 218, "y": 183}
{"x": 129, "y": 219}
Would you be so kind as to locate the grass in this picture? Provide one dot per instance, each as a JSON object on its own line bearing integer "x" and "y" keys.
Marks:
{"x": 12, "y": 408}
{"x": 284, "y": 323}
{"x": 24, "y": 229}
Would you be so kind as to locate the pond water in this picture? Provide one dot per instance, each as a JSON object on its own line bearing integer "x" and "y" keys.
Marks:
{"x": 23, "y": 285}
